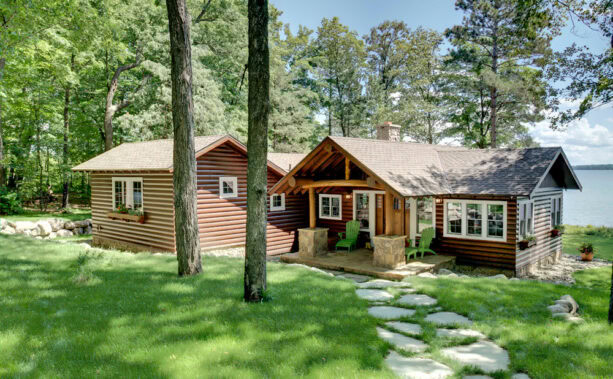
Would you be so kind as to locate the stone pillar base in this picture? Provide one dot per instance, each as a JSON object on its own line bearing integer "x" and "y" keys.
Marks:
{"x": 389, "y": 251}
{"x": 312, "y": 242}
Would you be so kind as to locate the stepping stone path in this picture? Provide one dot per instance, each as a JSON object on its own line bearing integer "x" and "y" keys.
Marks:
{"x": 418, "y": 368}
{"x": 458, "y": 333}
{"x": 390, "y": 313}
{"x": 405, "y": 327}
{"x": 447, "y": 318}
{"x": 382, "y": 283}
{"x": 402, "y": 342}
{"x": 483, "y": 354}
{"x": 419, "y": 300}
{"x": 374, "y": 295}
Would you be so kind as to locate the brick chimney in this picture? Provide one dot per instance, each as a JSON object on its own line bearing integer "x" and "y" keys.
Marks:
{"x": 388, "y": 132}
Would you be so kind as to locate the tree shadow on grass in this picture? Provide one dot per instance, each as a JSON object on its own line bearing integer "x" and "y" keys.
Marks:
{"x": 135, "y": 317}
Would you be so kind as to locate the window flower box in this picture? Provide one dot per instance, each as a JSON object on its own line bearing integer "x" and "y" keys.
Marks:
{"x": 126, "y": 217}
{"x": 557, "y": 230}
{"x": 527, "y": 243}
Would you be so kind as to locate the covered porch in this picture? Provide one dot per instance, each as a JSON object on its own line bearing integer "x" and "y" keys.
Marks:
{"x": 360, "y": 262}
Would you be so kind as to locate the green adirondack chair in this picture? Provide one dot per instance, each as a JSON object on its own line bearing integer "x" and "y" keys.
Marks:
{"x": 352, "y": 228}
{"x": 424, "y": 244}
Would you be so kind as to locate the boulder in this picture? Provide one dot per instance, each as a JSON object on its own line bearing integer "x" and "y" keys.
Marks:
{"x": 64, "y": 233}
{"x": 56, "y": 224}
{"x": 88, "y": 230}
{"x": 566, "y": 304}
{"x": 444, "y": 271}
{"x": 8, "y": 230}
{"x": 3, "y": 223}
{"x": 69, "y": 225}
{"x": 427, "y": 275}
{"x": 52, "y": 235}
{"x": 573, "y": 303}
{"x": 33, "y": 232}
{"x": 76, "y": 231}
{"x": 82, "y": 223}
{"x": 562, "y": 315}
{"x": 44, "y": 228}
{"x": 22, "y": 226}
{"x": 557, "y": 309}
{"x": 499, "y": 276}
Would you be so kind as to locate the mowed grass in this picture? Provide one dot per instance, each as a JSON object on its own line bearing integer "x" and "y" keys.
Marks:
{"x": 74, "y": 214}
{"x": 600, "y": 237}
{"x": 514, "y": 314}
{"x": 70, "y": 312}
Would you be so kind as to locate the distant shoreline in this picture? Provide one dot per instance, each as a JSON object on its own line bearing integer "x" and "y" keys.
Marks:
{"x": 594, "y": 167}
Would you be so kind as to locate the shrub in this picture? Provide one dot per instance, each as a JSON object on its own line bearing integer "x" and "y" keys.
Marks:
{"x": 10, "y": 203}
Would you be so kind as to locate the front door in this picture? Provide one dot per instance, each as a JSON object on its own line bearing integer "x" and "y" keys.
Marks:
{"x": 365, "y": 210}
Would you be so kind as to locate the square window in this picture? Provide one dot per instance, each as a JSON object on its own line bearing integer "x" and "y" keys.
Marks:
{"x": 330, "y": 207}
{"x": 128, "y": 193}
{"x": 228, "y": 187}
{"x": 277, "y": 202}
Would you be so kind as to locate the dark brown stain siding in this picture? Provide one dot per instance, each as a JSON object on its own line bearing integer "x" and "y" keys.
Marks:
{"x": 157, "y": 233}
{"x": 222, "y": 221}
{"x": 475, "y": 252}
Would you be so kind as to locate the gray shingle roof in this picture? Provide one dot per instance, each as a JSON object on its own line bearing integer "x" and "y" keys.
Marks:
{"x": 148, "y": 155}
{"x": 414, "y": 169}
{"x": 286, "y": 161}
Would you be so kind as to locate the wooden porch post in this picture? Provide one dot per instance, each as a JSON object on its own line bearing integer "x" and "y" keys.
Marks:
{"x": 389, "y": 205}
{"x": 312, "y": 218}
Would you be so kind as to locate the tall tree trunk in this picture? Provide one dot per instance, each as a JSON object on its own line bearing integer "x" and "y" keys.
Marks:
{"x": 110, "y": 109}
{"x": 184, "y": 153}
{"x": 2, "y": 169}
{"x": 493, "y": 89}
{"x": 257, "y": 146}
{"x": 65, "y": 172}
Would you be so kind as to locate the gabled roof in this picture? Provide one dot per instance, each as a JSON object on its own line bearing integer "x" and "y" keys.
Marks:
{"x": 157, "y": 155}
{"x": 414, "y": 169}
{"x": 286, "y": 161}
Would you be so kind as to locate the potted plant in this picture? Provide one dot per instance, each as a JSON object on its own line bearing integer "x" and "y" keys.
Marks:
{"x": 587, "y": 251}
{"x": 557, "y": 230}
{"x": 527, "y": 242}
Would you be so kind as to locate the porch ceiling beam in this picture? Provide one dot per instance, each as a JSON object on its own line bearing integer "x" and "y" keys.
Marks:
{"x": 338, "y": 183}
{"x": 293, "y": 181}
{"x": 317, "y": 161}
{"x": 332, "y": 162}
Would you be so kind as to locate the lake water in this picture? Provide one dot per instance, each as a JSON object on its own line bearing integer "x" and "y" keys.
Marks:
{"x": 593, "y": 205}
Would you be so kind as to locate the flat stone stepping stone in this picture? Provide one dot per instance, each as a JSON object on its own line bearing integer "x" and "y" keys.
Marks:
{"x": 458, "y": 333}
{"x": 407, "y": 290}
{"x": 382, "y": 283}
{"x": 416, "y": 368}
{"x": 402, "y": 342}
{"x": 355, "y": 277}
{"x": 405, "y": 327}
{"x": 485, "y": 355}
{"x": 520, "y": 376}
{"x": 447, "y": 318}
{"x": 476, "y": 377}
{"x": 419, "y": 300}
{"x": 390, "y": 313}
{"x": 374, "y": 295}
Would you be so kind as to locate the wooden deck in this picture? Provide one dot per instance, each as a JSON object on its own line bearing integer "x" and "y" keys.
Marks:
{"x": 360, "y": 262}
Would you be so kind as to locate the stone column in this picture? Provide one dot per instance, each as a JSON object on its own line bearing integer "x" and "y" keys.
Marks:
{"x": 389, "y": 251}
{"x": 312, "y": 242}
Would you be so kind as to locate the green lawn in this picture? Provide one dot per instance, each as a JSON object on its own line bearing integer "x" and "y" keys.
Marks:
{"x": 30, "y": 215}
{"x": 514, "y": 315}
{"x": 68, "y": 313}
{"x": 600, "y": 237}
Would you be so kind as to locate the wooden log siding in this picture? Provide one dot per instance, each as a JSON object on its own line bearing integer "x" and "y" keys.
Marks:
{"x": 545, "y": 244}
{"x": 157, "y": 233}
{"x": 222, "y": 222}
{"x": 478, "y": 252}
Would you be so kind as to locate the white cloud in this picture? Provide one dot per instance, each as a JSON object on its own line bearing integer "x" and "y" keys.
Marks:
{"x": 582, "y": 142}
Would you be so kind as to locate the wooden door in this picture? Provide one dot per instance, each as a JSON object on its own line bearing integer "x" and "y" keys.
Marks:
{"x": 379, "y": 227}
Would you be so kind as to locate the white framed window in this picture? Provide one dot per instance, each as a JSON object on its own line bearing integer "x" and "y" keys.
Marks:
{"x": 526, "y": 218}
{"x": 128, "y": 192}
{"x": 475, "y": 219}
{"x": 228, "y": 187}
{"x": 330, "y": 207}
{"x": 277, "y": 202}
{"x": 425, "y": 211}
{"x": 556, "y": 211}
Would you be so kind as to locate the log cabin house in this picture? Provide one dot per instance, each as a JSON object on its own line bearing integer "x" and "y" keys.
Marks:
{"x": 481, "y": 203}
{"x": 140, "y": 176}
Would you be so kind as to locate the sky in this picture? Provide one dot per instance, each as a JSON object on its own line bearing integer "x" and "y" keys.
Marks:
{"x": 586, "y": 141}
